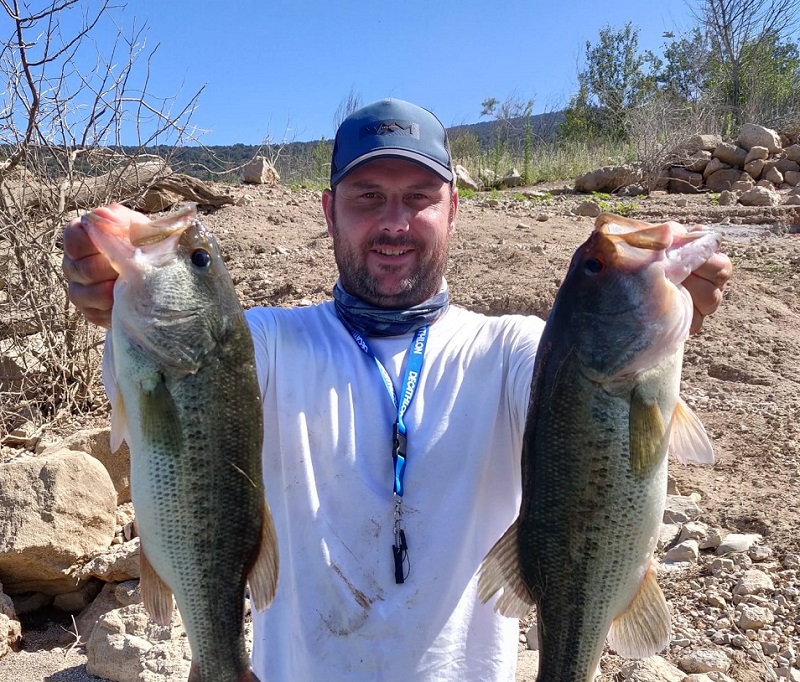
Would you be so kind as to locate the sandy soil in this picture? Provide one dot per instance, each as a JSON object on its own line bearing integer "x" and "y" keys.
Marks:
{"x": 509, "y": 255}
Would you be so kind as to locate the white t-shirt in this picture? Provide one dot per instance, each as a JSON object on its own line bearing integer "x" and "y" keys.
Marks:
{"x": 338, "y": 614}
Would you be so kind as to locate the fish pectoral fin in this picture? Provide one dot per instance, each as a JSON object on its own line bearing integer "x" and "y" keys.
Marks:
{"x": 643, "y": 629}
{"x": 156, "y": 595}
{"x": 263, "y": 576}
{"x": 160, "y": 421}
{"x": 647, "y": 434}
{"x": 501, "y": 570}
{"x": 688, "y": 440}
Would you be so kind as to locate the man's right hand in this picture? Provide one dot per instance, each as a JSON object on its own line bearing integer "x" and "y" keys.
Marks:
{"x": 89, "y": 275}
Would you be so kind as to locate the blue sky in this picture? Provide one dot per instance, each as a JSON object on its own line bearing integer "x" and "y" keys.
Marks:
{"x": 279, "y": 69}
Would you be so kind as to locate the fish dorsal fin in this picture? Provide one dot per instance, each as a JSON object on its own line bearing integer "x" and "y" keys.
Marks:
{"x": 263, "y": 577}
{"x": 501, "y": 570}
{"x": 688, "y": 440}
{"x": 647, "y": 434}
{"x": 643, "y": 629}
{"x": 156, "y": 595}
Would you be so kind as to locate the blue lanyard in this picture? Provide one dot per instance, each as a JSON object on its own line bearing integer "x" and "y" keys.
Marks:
{"x": 416, "y": 354}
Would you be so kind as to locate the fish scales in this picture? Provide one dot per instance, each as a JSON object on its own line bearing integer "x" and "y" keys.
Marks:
{"x": 604, "y": 406}
{"x": 186, "y": 398}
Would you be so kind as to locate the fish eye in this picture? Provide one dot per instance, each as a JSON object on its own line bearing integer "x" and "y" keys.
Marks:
{"x": 592, "y": 266}
{"x": 201, "y": 258}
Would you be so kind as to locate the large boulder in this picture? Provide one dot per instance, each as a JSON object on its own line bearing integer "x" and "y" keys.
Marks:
{"x": 97, "y": 443}
{"x": 759, "y": 196}
{"x": 684, "y": 181}
{"x": 261, "y": 172}
{"x": 753, "y": 135}
{"x": 696, "y": 143}
{"x": 608, "y": 179}
{"x": 464, "y": 179}
{"x": 57, "y": 510}
{"x": 724, "y": 179}
{"x": 793, "y": 153}
{"x": 730, "y": 154}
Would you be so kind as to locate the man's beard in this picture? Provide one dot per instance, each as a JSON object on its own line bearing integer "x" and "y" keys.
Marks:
{"x": 422, "y": 283}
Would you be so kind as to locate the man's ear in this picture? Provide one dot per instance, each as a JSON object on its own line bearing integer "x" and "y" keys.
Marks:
{"x": 327, "y": 209}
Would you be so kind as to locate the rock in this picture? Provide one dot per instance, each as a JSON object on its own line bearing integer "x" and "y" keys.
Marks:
{"x": 684, "y": 551}
{"x": 753, "y": 135}
{"x": 754, "y": 168}
{"x": 464, "y": 179}
{"x": 730, "y": 154}
{"x": 589, "y": 208}
{"x": 742, "y": 185}
{"x": 607, "y": 179}
{"x": 759, "y": 196}
{"x": 793, "y": 200}
{"x": 487, "y": 177}
{"x": 261, "y": 172}
{"x": 752, "y": 617}
{"x": 652, "y": 669}
{"x": 728, "y": 198}
{"x": 758, "y": 553}
{"x": 512, "y": 179}
{"x": 127, "y": 646}
{"x": 30, "y": 602}
{"x": 245, "y": 200}
{"x": 737, "y": 542}
{"x": 712, "y": 540}
{"x": 723, "y": 179}
{"x": 680, "y": 509}
{"x": 754, "y": 581}
{"x": 793, "y": 153}
{"x": 785, "y": 165}
{"x": 697, "y": 162}
{"x": 103, "y": 603}
{"x": 714, "y": 166}
{"x": 97, "y": 442}
{"x": 157, "y": 199}
{"x": 668, "y": 534}
{"x": 772, "y": 174}
{"x": 704, "y": 661}
{"x": 25, "y": 436}
{"x": 792, "y": 178}
{"x": 116, "y": 564}
{"x": 57, "y": 509}
{"x": 693, "y": 530}
{"x": 757, "y": 153}
{"x": 73, "y": 602}
{"x": 698, "y": 143}
{"x": 10, "y": 634}
{"x": 684, "y": 181}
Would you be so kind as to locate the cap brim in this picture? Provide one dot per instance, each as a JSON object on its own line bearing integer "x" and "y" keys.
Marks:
{"x": 446, "y": 174}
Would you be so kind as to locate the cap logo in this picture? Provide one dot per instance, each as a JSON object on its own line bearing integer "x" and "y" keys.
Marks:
{"x": 392, "y": 127}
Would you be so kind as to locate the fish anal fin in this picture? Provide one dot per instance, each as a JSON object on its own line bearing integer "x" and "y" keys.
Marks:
{"x": 263, "y": 576}
{"x": 156, "y": 595}
{"x": 501, "y": 571}
{"x": 643, "y": 629}
{"x": 119, "y": 423}
{"x": 647, "y": 434}
{"x": 688, "y": 440}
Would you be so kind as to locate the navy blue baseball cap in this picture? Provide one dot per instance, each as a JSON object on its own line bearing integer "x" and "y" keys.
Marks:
{"x": 391, "y": 128}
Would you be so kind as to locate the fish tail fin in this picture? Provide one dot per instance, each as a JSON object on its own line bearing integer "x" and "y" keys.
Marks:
{"x": 263, "y": 576}
{"x": 156, "y": 595}
{"x": 643, "y": 629}
{"x": 500, "y": 571}
{"x": 688, "y": 440}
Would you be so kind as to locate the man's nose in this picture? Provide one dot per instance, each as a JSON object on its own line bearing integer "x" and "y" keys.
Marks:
{"x": 396, "y": 217}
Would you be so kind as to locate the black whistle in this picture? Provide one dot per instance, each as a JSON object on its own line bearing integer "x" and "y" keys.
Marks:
{"x": 399, "y": 558}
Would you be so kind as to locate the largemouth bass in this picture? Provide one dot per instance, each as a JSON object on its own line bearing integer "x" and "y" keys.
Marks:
{"x": 604, "y": 410}
{"x": 185, "y": 397}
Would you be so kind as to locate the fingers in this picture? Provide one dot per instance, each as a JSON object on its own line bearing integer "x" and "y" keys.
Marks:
{"x": 705, "y": 285}
{"x": 89, "y": 275}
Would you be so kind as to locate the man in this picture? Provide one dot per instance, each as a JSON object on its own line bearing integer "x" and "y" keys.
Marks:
{"x": 393, "y": 425}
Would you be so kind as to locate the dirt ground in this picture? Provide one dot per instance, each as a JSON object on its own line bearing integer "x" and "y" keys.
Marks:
{"x": 509, "y": 255}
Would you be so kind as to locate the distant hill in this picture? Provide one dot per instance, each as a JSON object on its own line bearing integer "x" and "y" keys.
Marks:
{"x": 304, "y": 161}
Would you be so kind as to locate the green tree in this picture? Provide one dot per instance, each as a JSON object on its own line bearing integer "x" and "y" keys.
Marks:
{"x": 614, "y": 78}
{"x": 740, "y": 29}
